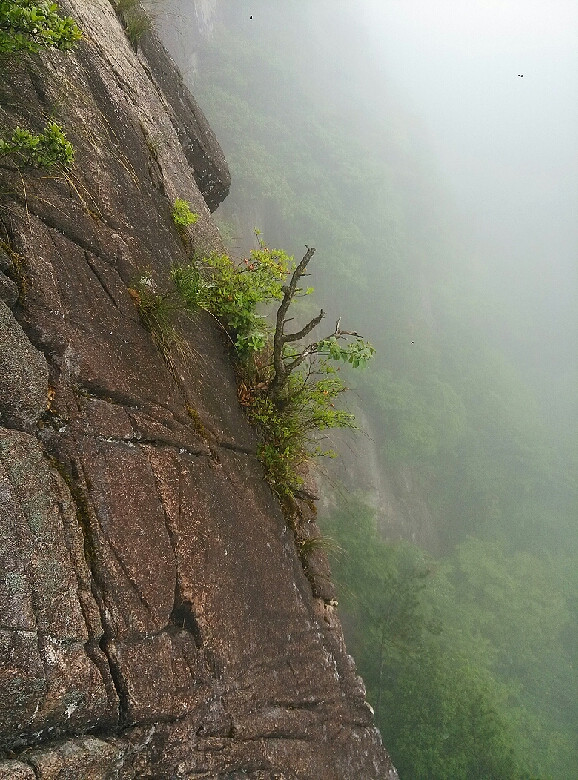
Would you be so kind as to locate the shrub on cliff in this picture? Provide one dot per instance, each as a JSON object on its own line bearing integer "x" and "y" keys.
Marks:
{"x": 288, "y": 387}
{"x": 135, "y": 20}
{"x": 38, "y": 150}
{"x": 182, "y": 215}
{"x": 232, "y": 292}
{"x": 32, "y": 25}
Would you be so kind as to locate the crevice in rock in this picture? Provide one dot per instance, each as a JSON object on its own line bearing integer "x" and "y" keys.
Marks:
{"x": 183, "y": 614}
{"x": 231, "y": 445}
{"x": 82, "y": 586}
{"x": 71, "y": 475}
{"x": 55, "y": 739}
{"x": 34, "y": 770}
{"x": 38, "y": 83}
{"x": 49, "y": 419}
{"x": 83, "y": 513}
{"x": 102, "y": 663}
{"x": 274, "y": 734}
{"x": 93, "y": 390}
{"x": 98, "y": 277}
{"x": 214, "y": 663}
{"x": 181, "y": 448}
{"x": 107, "y": 646}
{"x": 9, "y": 425}
{"x": 308, "y": 706}
{"x": 130, "y": 404}
{"x": 213, "y": 439}
{"x": 154, "y": 166}
{"x": 49, "y": 345}
{"x": 11, "y": 262}
{"x": 64, "y": 229}
{"x": 129, "y": 578}
{"x": 183, "y": 617}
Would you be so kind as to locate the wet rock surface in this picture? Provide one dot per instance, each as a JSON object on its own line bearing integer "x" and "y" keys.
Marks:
{"x": 24, "y": 373}
{"x": 156, "y": 620}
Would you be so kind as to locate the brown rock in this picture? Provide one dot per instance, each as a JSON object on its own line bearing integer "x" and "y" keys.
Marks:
{"x": 85, "y": 757}
{"x": 151, "y": 590}
{"x": 199, "y": 144}
{"x": 24, "y": 385}
{"x": 8, "y": 290}
{"x": 53, "y": 676}
{"x": 16, "y": 770}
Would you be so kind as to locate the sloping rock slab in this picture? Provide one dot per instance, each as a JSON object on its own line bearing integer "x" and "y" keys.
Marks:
{"x": 155, "y": 618}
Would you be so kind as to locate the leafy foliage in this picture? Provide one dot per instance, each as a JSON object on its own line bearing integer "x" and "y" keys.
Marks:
{"x": 455, "y": 695}
{"x": 32, "y": 25}
{"x": 39, "y": 150}
{"x": 182, "y": 214}
{"x": 232, "y": 292}
{"x": 290, "y": 424}
{"x": 440, "y": 715}
{"x": 304, "y": 404}
{"x": 357, "y": 353}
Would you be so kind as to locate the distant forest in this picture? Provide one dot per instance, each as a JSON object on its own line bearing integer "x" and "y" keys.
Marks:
{"x": 466, "y": 632}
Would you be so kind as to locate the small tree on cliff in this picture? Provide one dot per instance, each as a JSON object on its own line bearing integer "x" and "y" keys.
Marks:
{"x": 289, "y": 388}
{"x": 297, "y": 400}
{"x": 286, "y": 360}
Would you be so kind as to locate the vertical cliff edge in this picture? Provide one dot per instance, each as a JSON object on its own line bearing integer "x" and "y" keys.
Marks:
{"x": 155, "y": 619}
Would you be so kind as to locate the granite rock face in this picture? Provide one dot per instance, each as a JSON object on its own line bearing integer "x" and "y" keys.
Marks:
{"x": 155, "y": 619}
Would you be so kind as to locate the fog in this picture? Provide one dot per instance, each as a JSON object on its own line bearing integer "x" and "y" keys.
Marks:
{"x": 506, "y": 143}
{"x": 429, "y": 151}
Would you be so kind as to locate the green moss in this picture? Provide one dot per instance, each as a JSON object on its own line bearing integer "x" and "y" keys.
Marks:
{"x": 198, "y": 424}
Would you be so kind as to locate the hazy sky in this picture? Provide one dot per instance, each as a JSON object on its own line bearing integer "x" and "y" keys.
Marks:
{"x": 457, "y": 64}
{"x": 506, "y": 146}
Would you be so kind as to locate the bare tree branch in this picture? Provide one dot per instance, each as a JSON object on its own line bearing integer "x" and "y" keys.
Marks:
{"x": 305, "y": 330}
{"x": 284, "y": 365}
{"x": 282, "y": 371}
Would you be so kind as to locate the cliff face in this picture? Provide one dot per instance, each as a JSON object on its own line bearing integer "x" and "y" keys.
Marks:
{"x": 155, "y": 620}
